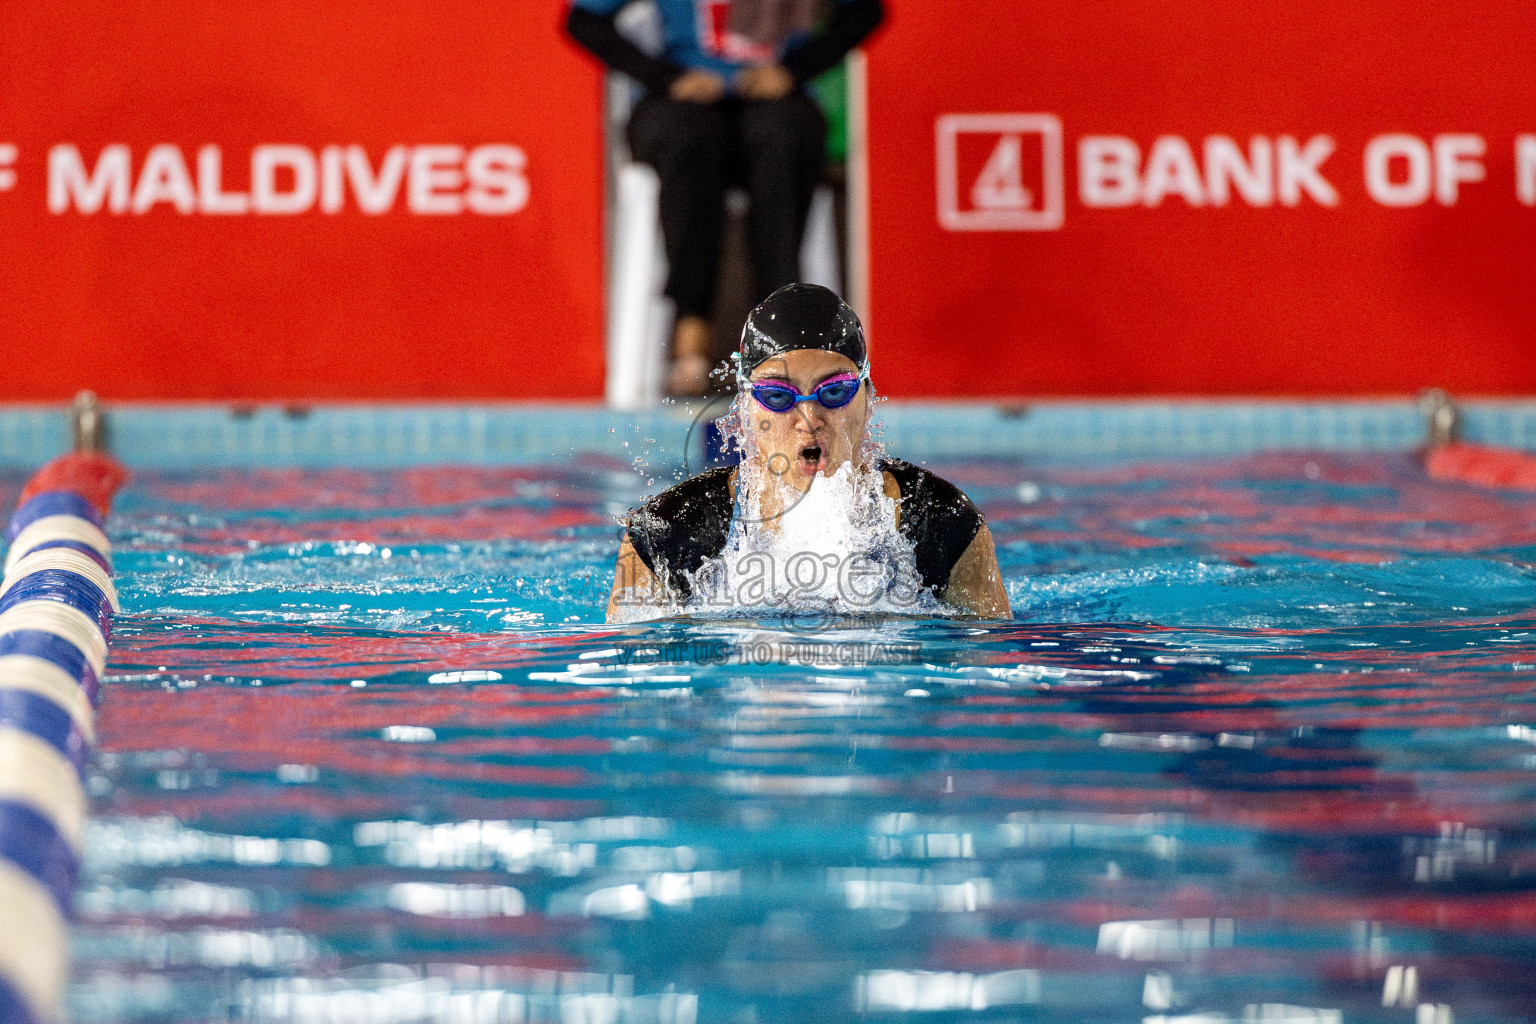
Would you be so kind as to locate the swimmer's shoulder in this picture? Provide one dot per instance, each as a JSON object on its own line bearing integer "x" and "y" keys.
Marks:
{"x": 696, "y": 495}
{"x": 920, "y": 486}
{"x": 936, "y": 516}
{"x": 684, "y": 524}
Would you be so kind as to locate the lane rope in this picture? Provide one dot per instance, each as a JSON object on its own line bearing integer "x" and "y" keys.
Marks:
{"x": 56, "y": 605}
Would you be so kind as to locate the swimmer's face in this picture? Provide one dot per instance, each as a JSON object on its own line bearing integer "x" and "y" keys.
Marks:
{"x": 810, "y": 438}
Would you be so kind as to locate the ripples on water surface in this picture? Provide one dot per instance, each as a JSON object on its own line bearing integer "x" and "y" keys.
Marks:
{"x": 1260, "y": 746}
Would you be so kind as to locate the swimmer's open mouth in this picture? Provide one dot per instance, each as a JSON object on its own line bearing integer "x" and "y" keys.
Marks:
{"x": 812, "y": 460}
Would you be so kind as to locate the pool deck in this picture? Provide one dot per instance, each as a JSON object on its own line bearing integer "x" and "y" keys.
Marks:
{"x": 384, "y": 436}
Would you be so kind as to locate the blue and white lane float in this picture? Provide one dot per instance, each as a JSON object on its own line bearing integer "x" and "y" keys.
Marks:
{"x": 56, "y": 604}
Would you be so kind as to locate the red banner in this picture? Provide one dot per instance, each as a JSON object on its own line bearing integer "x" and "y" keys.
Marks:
{"x": 308, "y": 199}
{"x": 1106, "y": 197}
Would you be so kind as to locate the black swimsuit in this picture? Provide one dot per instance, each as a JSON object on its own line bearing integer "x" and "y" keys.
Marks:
{"x": 684, "y": 526}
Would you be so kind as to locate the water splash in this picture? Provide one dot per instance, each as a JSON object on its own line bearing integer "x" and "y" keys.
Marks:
{"x": 834, "y": 549}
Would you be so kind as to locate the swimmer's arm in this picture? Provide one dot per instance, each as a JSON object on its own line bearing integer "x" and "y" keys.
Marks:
{"x": 976, "y": 582}
{"x": 633, "y": 585}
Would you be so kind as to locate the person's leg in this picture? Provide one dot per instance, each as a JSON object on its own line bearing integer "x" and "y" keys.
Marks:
{"x": 782, "y": 146}
{"x": 686, "y": 144}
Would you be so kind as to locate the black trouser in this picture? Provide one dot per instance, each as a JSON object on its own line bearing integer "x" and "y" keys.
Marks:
{"x": 773, "y": 148}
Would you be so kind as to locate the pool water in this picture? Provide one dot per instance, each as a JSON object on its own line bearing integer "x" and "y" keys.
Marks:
{"x": 1259, "y": 745}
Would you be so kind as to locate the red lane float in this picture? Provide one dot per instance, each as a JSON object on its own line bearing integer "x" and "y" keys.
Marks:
{"x": 95, "y": 476}
{"x": 56, "y": 603}
{"x": 1479, "y": 464}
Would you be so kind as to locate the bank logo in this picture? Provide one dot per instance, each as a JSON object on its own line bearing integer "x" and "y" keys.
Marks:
{"x": 1000, "y": 172}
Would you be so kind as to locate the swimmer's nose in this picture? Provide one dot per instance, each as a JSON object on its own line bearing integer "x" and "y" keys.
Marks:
{"x": 812, "y": 416}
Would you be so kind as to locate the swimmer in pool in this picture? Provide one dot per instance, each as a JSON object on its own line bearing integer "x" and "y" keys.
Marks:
{"x": 805, "y": 407}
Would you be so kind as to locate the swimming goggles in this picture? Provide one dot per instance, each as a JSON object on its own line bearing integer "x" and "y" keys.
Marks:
{"x": 832, "y": 393}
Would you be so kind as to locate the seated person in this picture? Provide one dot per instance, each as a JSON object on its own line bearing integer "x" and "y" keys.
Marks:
{"x": 725, "y": 103}
{"x": 814, "y": 505}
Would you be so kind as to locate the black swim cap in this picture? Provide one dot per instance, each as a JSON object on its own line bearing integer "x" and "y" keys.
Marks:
{"x": 801, "y": 316}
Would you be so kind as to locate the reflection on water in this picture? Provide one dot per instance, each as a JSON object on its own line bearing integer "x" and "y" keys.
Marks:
{"x": 1260, "y": 747}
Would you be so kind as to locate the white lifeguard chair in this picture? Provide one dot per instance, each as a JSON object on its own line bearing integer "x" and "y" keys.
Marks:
{"x": 639, "y": 314}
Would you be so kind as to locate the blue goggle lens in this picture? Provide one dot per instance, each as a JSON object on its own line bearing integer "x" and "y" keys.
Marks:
{"x": 775, "y": 399}
{"x": 836, "y": 394}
